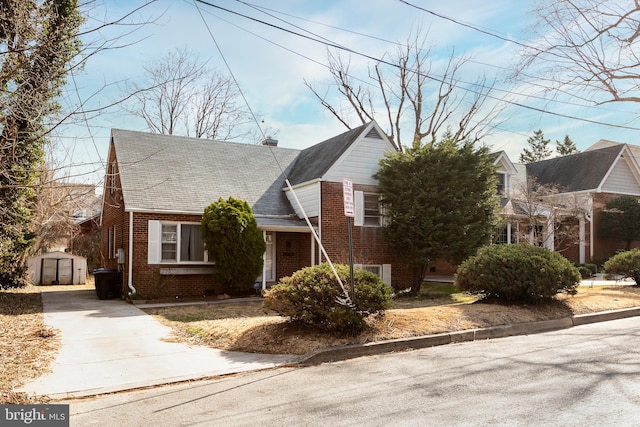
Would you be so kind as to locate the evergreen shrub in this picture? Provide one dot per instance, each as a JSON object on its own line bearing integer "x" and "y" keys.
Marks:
{"x": 519, "y": 272}
{"x": 311, "y": 296}
{"x": 626, "y": 264}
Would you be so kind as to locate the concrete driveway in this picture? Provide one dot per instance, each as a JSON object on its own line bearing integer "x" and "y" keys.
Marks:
{"x": 110, "y": 345}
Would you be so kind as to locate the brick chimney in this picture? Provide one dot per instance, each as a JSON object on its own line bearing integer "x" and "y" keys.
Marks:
{"x": 270, "y": 142}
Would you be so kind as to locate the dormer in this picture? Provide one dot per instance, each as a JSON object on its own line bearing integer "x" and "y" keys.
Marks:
{"x": 505, "y": 171}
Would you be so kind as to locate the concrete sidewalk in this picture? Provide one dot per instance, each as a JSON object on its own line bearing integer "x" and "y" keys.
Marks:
{"x": 109, "y": 345}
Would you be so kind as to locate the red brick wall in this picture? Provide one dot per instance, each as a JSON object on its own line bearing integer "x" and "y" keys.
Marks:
{"x": 368, "y": 243}
{"x": 293, "y": 252}
{"x": 113, "y": 214}
{"x": 147, "y": 278}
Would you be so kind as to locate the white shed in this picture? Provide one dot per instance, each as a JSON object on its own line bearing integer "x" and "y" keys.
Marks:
{"x": 57, "y": 268}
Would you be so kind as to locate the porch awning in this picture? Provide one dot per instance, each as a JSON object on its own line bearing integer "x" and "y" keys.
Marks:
{"x": 293, "y": 225}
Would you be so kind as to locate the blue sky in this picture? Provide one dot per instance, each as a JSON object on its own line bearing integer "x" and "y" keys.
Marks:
{"x": 272, "y": 77}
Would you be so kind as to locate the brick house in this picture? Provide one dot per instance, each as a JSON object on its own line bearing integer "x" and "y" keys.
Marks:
{"x": 157, "y": 187}
{"x": 584, "y": 182}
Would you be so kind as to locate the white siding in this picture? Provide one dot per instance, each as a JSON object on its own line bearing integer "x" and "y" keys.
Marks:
{"x": 309, "y": 199}
{"x": 621, "y": 180}
{"x": 360, "y": 162}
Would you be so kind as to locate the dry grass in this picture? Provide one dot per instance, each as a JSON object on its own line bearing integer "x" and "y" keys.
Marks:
{"x": 250, "y": 327}
{"x": 27, "y": 346}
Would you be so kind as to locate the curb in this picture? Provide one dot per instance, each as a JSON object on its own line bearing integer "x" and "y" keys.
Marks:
{"x": 405, "y": 344}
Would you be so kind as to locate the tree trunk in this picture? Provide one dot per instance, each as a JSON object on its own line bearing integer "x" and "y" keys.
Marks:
{"x": 418, "y": 277}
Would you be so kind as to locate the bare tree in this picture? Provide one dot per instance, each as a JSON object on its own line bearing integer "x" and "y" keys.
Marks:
{"x": 545, "y": 215}
{"x": 413, "y": 95}
{"x": 42, "y": 43}
{"x": 182, "y": 96}
{"x": 589, "y": 48}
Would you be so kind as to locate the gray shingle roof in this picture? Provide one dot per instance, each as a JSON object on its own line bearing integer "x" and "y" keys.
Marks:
{"x": 576, "y": 172}
{"x": 316, "y": 160}
{"x": 180, "y": 174}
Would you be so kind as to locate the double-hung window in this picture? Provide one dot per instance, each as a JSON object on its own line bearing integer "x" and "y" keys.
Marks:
{"x": 501, "y": 186}
{"x": 368, "y": 209}
{"x": 382, "y": 270}
{"x": 169, "y": 242}
{"x": 172, "y": 242}
{"x": 372, "y": 211}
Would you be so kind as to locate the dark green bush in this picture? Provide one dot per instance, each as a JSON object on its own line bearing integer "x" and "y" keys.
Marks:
{"x": 585, "y": 272}
{"x": 234, "y": 242}
{"x": 592, "y": 267}
{"x": 310, "y": 296}
{"x": 519, "y": 272}
{"x": 626, "y": 264}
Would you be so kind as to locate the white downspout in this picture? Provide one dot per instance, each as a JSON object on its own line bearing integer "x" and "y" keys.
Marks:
{"x": 264, "y": 262}
{"x": 130, "y": 269}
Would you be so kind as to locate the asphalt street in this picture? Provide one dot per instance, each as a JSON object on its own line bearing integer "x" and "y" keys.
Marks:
{"x": 583, "y": 376}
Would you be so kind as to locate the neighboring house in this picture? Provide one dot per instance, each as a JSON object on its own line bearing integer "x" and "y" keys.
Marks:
{"x": 157, "y": 187}
{"x": 61, "y": 206}
{"x": 583, "y": 184}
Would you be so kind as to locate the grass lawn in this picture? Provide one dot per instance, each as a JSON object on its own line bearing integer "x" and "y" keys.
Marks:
{"x": 439, "y": 308}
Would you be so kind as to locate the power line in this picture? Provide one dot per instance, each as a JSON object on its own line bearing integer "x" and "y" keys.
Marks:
{"x": 255, "y": 119}
{"x": 439, "y": 80}
{"x": 345, "y": 299}
{"x": 473, "y": 27}
{"x": 369, "y": 36}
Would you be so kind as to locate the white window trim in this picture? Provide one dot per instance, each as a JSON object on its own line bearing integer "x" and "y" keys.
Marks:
{"x": 111, "y": 242}
{"x": 385, "y": 271}
{"x": 154, "y": 240}
{"x": 113, "y": 249}
{"x": 359, "y": 220}
{"x": 112, "y": 178}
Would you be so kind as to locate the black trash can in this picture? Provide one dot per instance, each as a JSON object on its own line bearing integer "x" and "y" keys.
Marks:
{"x": 106, "y": 282}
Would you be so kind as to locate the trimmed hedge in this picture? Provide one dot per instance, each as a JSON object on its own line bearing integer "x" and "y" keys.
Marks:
{"x": 587, "y": 270}
{"x": 310, "y": 296}
{"x": 626, "y": 264}
{"x": 520, "y": 272}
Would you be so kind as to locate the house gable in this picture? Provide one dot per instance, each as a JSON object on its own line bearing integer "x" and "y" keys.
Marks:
{"x": 505, "y": 170}
{"x": 624, "y": 175}
{"x": 361, "y": 160}
{"x": 313, "y": 162}
{"x": 354, "y": 154}
{"x": 503, "y": 163}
